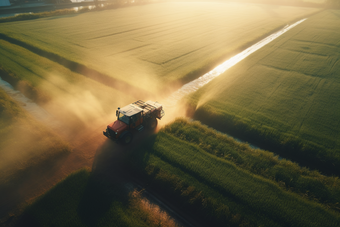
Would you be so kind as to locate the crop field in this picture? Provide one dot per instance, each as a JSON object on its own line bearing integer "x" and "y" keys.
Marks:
{"x": 211, "y": 173}
{"x": 149, "y": 45}
{"x": 286, "y": 93}
{"x": 24, "y": 141}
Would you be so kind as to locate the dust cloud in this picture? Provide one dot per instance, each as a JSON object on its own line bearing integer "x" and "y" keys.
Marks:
{"x": 26, "y": 145}
{"x": 172, "y": 112}
{"x": 25, "y": 141}
{"x": 78, "y": 106}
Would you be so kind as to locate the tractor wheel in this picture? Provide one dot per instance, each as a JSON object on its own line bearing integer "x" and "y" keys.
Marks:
{"x": 127, "y": 138}
{"x": 153, "y": 123}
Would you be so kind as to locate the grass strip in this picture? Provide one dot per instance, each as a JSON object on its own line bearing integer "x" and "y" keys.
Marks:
{"x": 175, "y": 165}
{"x": 308, "y": 184}
{"x": 304, "y": 152}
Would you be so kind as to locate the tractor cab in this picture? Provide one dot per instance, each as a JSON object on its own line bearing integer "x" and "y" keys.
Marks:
{"x": 131, "y": 115}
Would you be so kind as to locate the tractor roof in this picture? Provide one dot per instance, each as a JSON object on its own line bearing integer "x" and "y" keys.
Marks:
{"x": 130, "y": 110}
{"x": 139, "y": 106}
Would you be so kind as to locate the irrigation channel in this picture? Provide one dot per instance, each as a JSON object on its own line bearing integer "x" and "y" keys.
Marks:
{"x": 40, "y": 114}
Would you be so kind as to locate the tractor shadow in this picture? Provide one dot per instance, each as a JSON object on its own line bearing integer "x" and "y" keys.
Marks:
{"x": 111, "y": 156}
{"x": 108, "y": 180}
{"x": 98, "y": 199}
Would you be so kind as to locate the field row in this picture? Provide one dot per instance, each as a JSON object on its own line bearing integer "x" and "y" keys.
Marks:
{"x": 149, "y": 45}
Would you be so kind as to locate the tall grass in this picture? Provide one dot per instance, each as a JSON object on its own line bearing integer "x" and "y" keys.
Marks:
{"x": 220, "y": 192}
{"x": 284, "y": 97}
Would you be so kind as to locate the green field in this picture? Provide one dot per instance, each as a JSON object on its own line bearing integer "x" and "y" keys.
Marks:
{"x": 179, "y": 162}
{"x": 83, "y": 199}
{"x": 286, "y": 93}
{"x": 24, "y": 141}
{"x": 149, "y": 45}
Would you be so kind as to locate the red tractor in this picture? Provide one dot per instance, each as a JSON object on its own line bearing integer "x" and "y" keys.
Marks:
{"x": 134, "y": 118}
